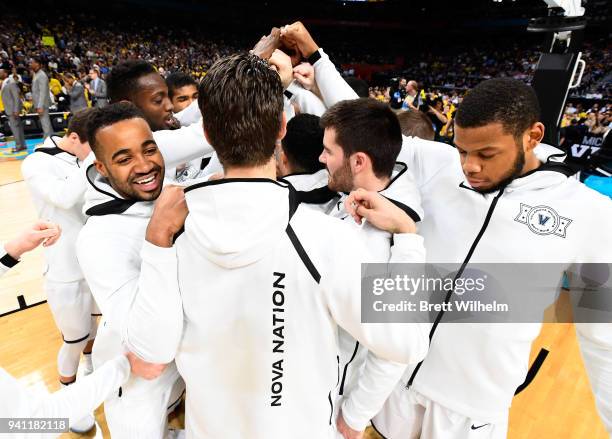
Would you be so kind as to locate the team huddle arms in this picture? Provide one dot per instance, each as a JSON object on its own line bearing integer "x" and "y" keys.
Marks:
{"x": 240, "y": 290}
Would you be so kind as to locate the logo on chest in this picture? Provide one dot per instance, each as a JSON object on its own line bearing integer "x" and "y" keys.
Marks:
{"x": 543, "y": 220}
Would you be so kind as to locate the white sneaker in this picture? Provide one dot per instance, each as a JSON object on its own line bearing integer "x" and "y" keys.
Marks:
{"x": 83, "y": 425}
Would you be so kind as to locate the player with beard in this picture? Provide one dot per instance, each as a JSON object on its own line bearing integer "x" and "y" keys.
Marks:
{"x": 502, "y": 198}
{"x": 126, "y": 177}
{"x": 233, "y": 270}
{"x": 501, "y": 169}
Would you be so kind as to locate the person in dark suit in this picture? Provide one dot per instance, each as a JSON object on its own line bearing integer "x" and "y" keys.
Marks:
{"x": 11, "y": 98}
{"x": 97, "y": 89}
{"x": 40, "y": 95}
{"x": 76, "y": 91}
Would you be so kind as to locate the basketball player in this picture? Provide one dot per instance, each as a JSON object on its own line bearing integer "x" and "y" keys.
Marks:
{"x": 81, "y": 399}
{"x": 125, "y": 179}
{"x": 263, "y": 295}
{"x": 182, "y": 90}
{"x": 478, "y": 193}
{"x": 503, "y": 165}
{"x": 56, "y": 180}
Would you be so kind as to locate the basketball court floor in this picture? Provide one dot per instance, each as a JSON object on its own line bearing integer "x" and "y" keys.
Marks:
{"x": 557, "y": 404}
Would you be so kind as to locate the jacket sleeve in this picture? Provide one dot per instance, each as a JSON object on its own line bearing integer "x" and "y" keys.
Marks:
{"x": 72, "y": 402}
{"x": 306, "y": 100}
{"x": 189, "y": 115}
{"x": 379, "y": 377}
{"x": 391, "y": 346}
{"x": 61, "y": 192}
{"x": 157, "y": 300}
{"x": 6, "y": 261}
{"x": 182, "y": 145}
{"x": 114, "y": 253}
{"x": 425, "y": 158}
{"x": 332, "y": 86}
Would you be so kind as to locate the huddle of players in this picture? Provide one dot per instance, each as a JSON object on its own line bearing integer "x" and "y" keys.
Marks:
{"x": 260, "y": 320}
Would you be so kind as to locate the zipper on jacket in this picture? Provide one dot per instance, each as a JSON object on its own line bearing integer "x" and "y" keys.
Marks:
{"x": 485, "y": 224}
{"x": 346, "y": 366}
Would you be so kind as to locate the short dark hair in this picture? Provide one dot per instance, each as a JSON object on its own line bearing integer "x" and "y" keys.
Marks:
{"x": 368, "y": 126}
{"x": 37, "y": 59}
{"x": 122, "y": 80}
{"x": 417, "y": 124}
{"x": 303, "y": 143}
{"x": 109, "y": 115}
{"x": 241, "y": 100}
{"x": 78, "y": 124}
{"x": 177, "y": 80}
{"x": 508, "y": 101}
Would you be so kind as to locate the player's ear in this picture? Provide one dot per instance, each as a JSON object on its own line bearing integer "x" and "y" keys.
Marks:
{"x": 100, "y": 168}
{"x": 535, "y": 134}
{"x": 359, "y": 161}
{"x": 283, "y": 128}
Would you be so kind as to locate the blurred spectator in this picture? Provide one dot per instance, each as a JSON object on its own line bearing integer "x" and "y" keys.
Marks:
{"x": 11, "y": 100}
{"x": 97, "y": 89}
{"x": 415, "y": 123}
{"x": 41, "y": 95}
{"x": 76, "y": 91}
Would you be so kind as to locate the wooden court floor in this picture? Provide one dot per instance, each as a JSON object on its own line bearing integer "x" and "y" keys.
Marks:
{"x": 558, "y": 404}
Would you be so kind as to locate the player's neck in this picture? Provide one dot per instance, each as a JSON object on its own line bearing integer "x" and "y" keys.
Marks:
{"x": 370, "y": 182}
{"x": 266, "y": 171}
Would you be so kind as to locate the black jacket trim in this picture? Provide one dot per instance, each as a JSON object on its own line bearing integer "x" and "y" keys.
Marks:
{"x": 53, "y": 151}
{"x": 204, "y": 163}
{"x": 297, "y": 173}
{"x": 411, "y": 213}
{"x": 116, "y": 206}
{"x": 177, "y": 234}
{"x": 233, "y": 180}
{"x": 559, "y": 167}
{"x": 320, "y": 195}
{"x": 331, "y": 407}
{"x": 288, "y": 94}
{"x": 294, "y": 201}
{"x": 75, "y": 341}
{"x": 177, "y": 400}
{"x": 404, "y": 167}
{"x": 346, "y": 366}
{"x": 533, "y": 370}
{"x": 316, "y": 56}
{"x": 302, "y": 254}
{"x": 449, "y": 294}
{"x": 96, "y": 187}
{"x": 377, "y": 431}
{"x": 8, "y": 261}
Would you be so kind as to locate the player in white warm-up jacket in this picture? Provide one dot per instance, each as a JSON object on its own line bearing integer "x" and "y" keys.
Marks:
{"x": 74, "y": 402}
{"x": 538, "y": 216}
{"x": 56, "y": 179}
{"x": 124, "y": 180}
{"x": 478, "y": 396}
{"x": 254, "y": 326}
